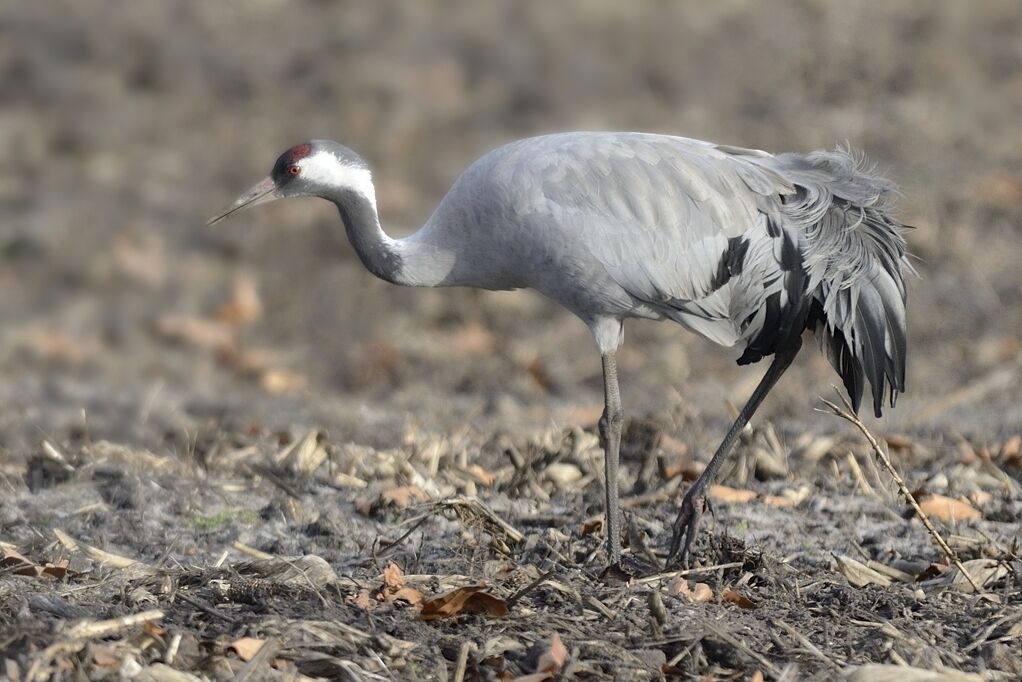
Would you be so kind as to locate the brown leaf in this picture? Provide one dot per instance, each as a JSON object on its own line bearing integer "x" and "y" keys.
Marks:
{"x": 594, "y": 524}
{"x": 244, "y": 306}
{"x": 12, "y": 561}
{"x": 537, "y": 370}
{"x": 553, "y": 659}
{"x": 898, "y": 443}
{"x": 467, "y": 599}
{"x": 153, "y": 630}
{"x": 722, "y": 493}
{"x": 737, "y": 599}
{"x": 932, "y": 571}
{"x": 480, "y": 475}
{"x": 1012, "y": 448}
{"x": 699, "y": 594}
{"x": 56, "y": 571}
{"x": 757, "y": 676}
{"x": 106, "y": 657}
{"x": 689, "y": 471}
{"x": 472, "y": 339}
{"x": 980, "y": 497}
{"x": 195, "y": 331}
{"x": 403, "y": 496}
{"x": 364, "y": 505}
{"x": 673, "y": 446}
{"x": 408, "y": 594}
{"x": 393, "y": 579}
{"x": 56, "y": 347}
{"x": 247, "y": 647}
{"x": 363, "y": 601}
{"x": 280, "y": 381}
{"x": 948, "y": 509}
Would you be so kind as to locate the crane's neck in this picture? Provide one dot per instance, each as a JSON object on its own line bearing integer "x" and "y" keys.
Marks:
{"x": 411, "y": 261}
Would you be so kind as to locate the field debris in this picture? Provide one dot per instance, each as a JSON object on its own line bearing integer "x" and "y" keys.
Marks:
{"x": 520, "y": 551}
{"x": 310, "y": 474}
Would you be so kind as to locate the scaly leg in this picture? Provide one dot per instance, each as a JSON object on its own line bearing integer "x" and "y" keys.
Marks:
{"x": 610, "y": 430}
{"x": 694, "y": 504}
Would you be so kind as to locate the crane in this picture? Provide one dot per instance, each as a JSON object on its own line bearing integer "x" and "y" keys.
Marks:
{"x": 745, "y": 248}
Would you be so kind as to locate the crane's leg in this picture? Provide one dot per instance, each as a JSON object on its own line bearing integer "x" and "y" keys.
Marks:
{"x": 692, "y": 507}
{"x": 610, "y": 431}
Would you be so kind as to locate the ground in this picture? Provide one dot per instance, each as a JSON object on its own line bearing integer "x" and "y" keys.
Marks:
{"x": 233, "y": 453}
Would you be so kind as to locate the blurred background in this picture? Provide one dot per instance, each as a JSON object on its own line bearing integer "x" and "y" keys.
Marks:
{"x": 124, "y": 126}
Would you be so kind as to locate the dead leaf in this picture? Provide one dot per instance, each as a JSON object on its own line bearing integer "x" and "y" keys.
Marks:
{"x": 563, "y": 474}
{"x": 932, "y": 571}
{"x": 466, "y": 599}
{"x": 244, "y": 306}
{"x": 859, "y": 574}
{"x": 472, "y": 339}
{"x": 153, "y": 630}
{"x": 948, "y": 509}
{"x": 898, "y": 443}
{"x": 592, "y": 525}
{"x": 14, "y": 562}
{"x": 553, "y": 659}
{"x": 394, "y": 588}
{"x": 195, "y": 331}
{"x": 700, "y": 593}
{"x": 96, "y": 554}
{"x": 393, "y": 579}
{"x": 983, "y": 571}
{"x": 683, "y": 467}
{"x": 247, "y": 647}
{"x": 537, "y": 370}
{"x": 408, "y": 594}
{"x": 403, "y": 496}
{"x": 364, "y": 505}
{"x": 722, "y": 493}
{"x": 480, "y": 475}
{"x": 1012, "y": 448}
{"x": 757, "y": 676}
{"x": 363, "y": 601}
{"x": 980, "y": 497}
{"x": 106, "y": 657}
{"x": 280, "y": 381}
{"x": 740, "y": 600}
{"x": 56, "y": 347}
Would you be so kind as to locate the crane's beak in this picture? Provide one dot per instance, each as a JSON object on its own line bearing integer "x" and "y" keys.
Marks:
{"x": 259, "y": 194}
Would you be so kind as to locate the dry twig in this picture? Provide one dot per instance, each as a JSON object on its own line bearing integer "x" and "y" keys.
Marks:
{"x": 848, "y": 414}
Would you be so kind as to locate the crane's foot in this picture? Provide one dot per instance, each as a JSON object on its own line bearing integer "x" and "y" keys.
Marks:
{"x": 686, "y": 526}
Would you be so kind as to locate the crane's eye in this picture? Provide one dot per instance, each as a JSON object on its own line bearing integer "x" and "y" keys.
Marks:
{"x": 294, "y": 170}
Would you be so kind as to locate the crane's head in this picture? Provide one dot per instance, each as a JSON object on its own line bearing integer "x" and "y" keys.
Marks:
{"x": 319, "y": 168}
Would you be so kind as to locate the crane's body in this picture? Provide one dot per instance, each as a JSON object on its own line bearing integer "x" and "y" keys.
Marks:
{"x": 745, "y": 248}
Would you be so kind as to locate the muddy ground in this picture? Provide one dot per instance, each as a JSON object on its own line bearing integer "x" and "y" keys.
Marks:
{"x": 233, "y": 453}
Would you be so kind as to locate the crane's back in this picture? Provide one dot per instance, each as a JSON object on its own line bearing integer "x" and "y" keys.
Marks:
{"x": 743, "y": 247}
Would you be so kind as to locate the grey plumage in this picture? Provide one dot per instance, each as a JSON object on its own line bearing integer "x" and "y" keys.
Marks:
{"x": 740, "y": 246}
{"x": 745, "y": 248}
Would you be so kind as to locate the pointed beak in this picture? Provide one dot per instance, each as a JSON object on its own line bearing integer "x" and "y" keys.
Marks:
{"x": 259, "y": 194}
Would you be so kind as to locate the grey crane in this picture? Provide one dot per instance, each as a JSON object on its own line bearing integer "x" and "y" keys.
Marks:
{"x": 745, "y": 248}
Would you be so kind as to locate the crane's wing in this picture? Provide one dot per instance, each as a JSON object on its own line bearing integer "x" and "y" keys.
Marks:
{"x": 741, "y": 246}
{"x": 671, "y": 220}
